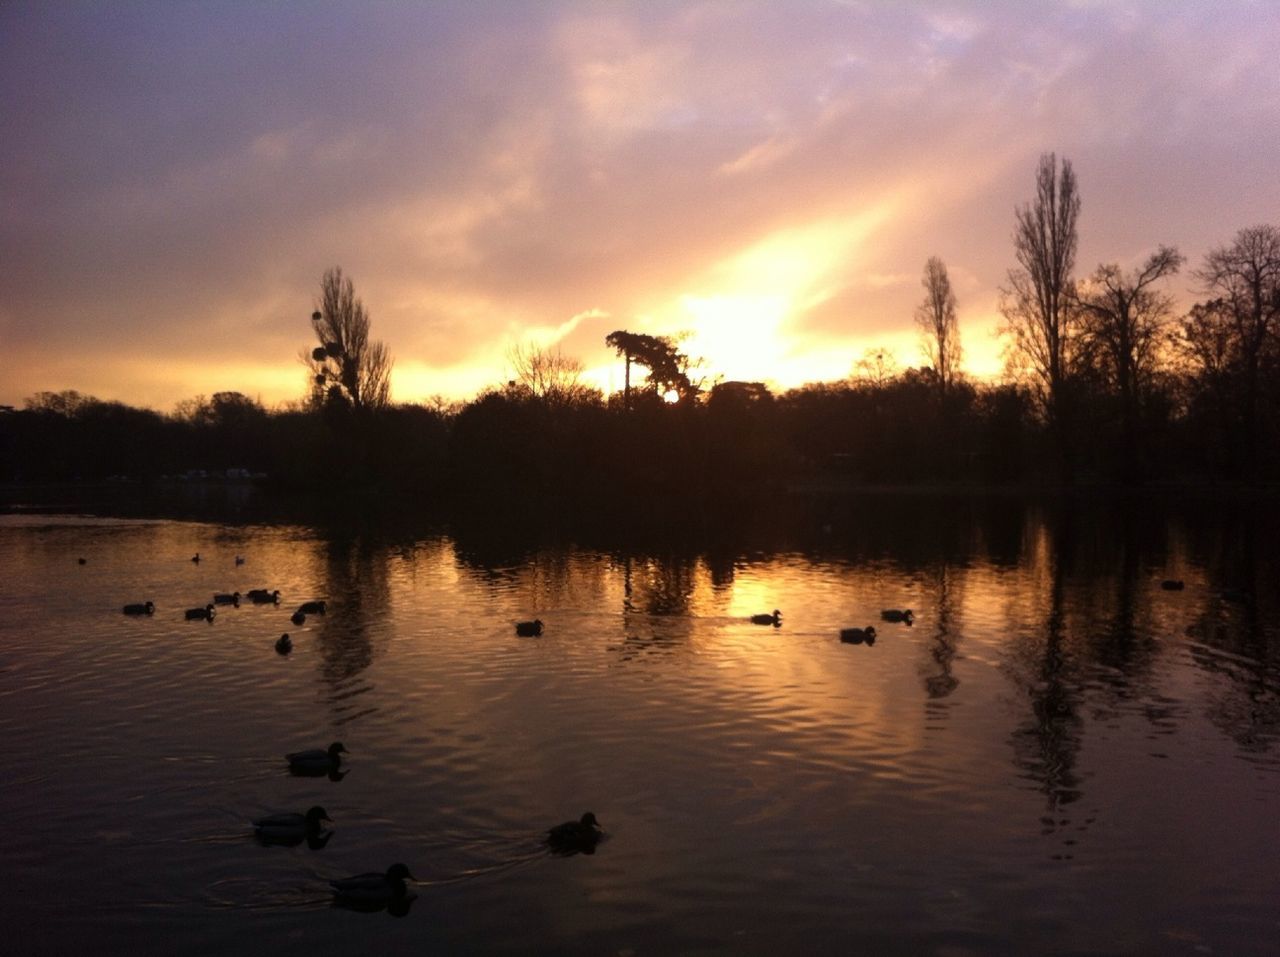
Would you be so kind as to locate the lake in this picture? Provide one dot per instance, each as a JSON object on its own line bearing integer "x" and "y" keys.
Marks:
{"x": 1058, "y": 756}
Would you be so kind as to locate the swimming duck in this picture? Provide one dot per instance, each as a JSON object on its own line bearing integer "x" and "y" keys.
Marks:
{"x": 260, "y": 596}
{"x": 197, "y": 614}
{"x": 299, "y": 617}
{"x": 239, "y": 559}
{"x": 140, "y": 608}
{"x": 529, "y": 629}
{"x": 858, "y": 636}
{"x": 573, "y": 837}
{"x": 316, "y": 761}
{"x": 893, "y": 614}
{"x": 1173, "y": 584}
{"x": 284, "y": 644}
{"x": 290, "y": 827}
{"x": 312, "y": 608}
{"x": 374, "y": 888}
{"x": 196, "y": 558}
{"x": 775, "y": 619}
{"x": 82, "y": 561}
{"x": 225, "y": 599}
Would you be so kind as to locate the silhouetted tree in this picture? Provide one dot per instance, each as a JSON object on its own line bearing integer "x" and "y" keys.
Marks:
{"x": 1125, "y": 320}
{"x": 1245, "y": 279}
{"x": 346, "y": 368}
{"x": 1038, "y": 303}
{"x": 67, "y": 403}
{"x": 936, "y": 318}
{"x": 668, "y": 367}
{"x": 877, "y": 368}
{"x": 550, "y": 376}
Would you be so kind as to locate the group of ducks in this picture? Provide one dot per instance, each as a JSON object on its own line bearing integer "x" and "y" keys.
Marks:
{"x": 258, "y": 596}
{"x": 387, "y": 888}
{"x": 851, "y": 636}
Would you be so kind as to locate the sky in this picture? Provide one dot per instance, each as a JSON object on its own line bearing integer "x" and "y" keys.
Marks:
{"x": 766, "y": 179}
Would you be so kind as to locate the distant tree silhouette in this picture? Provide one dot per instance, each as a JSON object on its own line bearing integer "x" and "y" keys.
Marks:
{"x": 1125, "y": 320}
{"x": 346, "y": 368}
{"x": 232, "y": 410}
{"x": 67, "y": 403}
{"x": 1037, "y": 303}
{"x": 550, "y": 376}
{"x": 1245, "y": 280}
{"x": 668, "y": 368}
{"x": 936, "y": 319}
{"x": 877, "y": 367}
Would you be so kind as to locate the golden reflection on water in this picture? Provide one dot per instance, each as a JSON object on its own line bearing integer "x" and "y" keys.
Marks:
{"x": 1048, "y": 729}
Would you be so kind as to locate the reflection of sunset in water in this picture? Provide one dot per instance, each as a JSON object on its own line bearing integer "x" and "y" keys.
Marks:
{"x": 1048, "y": 717}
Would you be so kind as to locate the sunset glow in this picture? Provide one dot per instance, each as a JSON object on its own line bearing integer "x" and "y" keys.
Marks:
{"x": 764, "y": 182}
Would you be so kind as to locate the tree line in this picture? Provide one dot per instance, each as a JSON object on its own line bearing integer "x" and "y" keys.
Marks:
{"x": 1107, "y": 383}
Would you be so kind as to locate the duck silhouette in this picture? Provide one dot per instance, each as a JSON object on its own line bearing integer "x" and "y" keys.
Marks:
{"x": 894, "y": 614}
{"x": 140, "y": 608}
{"x": 284, "y": 644}
{"x": 317, "y": 761}
{"x": 858, "y": 636}
{"x": 312, "y": 607}
{"x": 227, "y": 599}
{"x": 261, "y": 596}
{"x": 299, "y": 617}
{"x": 775, "y": 619}
{"x": 291, "y": 827}
{"x": 575, "y": 837}
{"x": 374, "y": 888}
{"x": 529, "y": 629}
{"x": 206, "y": 613}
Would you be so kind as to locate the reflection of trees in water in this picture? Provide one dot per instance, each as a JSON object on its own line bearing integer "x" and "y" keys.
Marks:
{"x": 1234, "y": 641}
{"x": 1245, "y": 705}
{"x": 658, "y": 586}
{"x": 940, "y": 650}
{"x": 657, "y": 592}
{"x": 1121, "y": 640}
{"x": 1047, "y": 744}
{"x": 356, "y": 587}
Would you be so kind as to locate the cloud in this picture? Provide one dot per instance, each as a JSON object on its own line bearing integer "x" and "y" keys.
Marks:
{"x": 177, "y": 178}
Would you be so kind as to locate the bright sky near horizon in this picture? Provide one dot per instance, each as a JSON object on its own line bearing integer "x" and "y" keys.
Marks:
{"x": 768, "y": 178}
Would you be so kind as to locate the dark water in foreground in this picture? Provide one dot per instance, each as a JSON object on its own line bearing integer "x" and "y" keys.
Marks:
{"x": 1058, "y": 757}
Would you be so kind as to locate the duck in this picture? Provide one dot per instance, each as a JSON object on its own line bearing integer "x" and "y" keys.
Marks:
{"x": 894, "y": 614}
{"x": 260, "y": 596}
{"x": 291, "y": 826}
{"x": 312, "y": 607}
{"x": 858, "y": 636}
{"x": 225, "y": 599}
{"x": 197, "y": 614}
{"x": 284, "y": 644}
{"x": 573, "y": 837}
{"x": 299, "y": 617}
{"x": 775, "y": 619}
{"x": 239, "y": 559}
{"x": 316, "y": 761}
{"x": 196, "y": 558}
{"x": 82, "y": 561}
{"x": 1173, "y": 584}
{"x": 529, "y": 629}
{"x": 374, "y": 888}
{"x": 140, "y": 608}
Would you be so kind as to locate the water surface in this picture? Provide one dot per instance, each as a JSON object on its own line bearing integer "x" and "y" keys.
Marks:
{"x": 1058, "y": 756}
